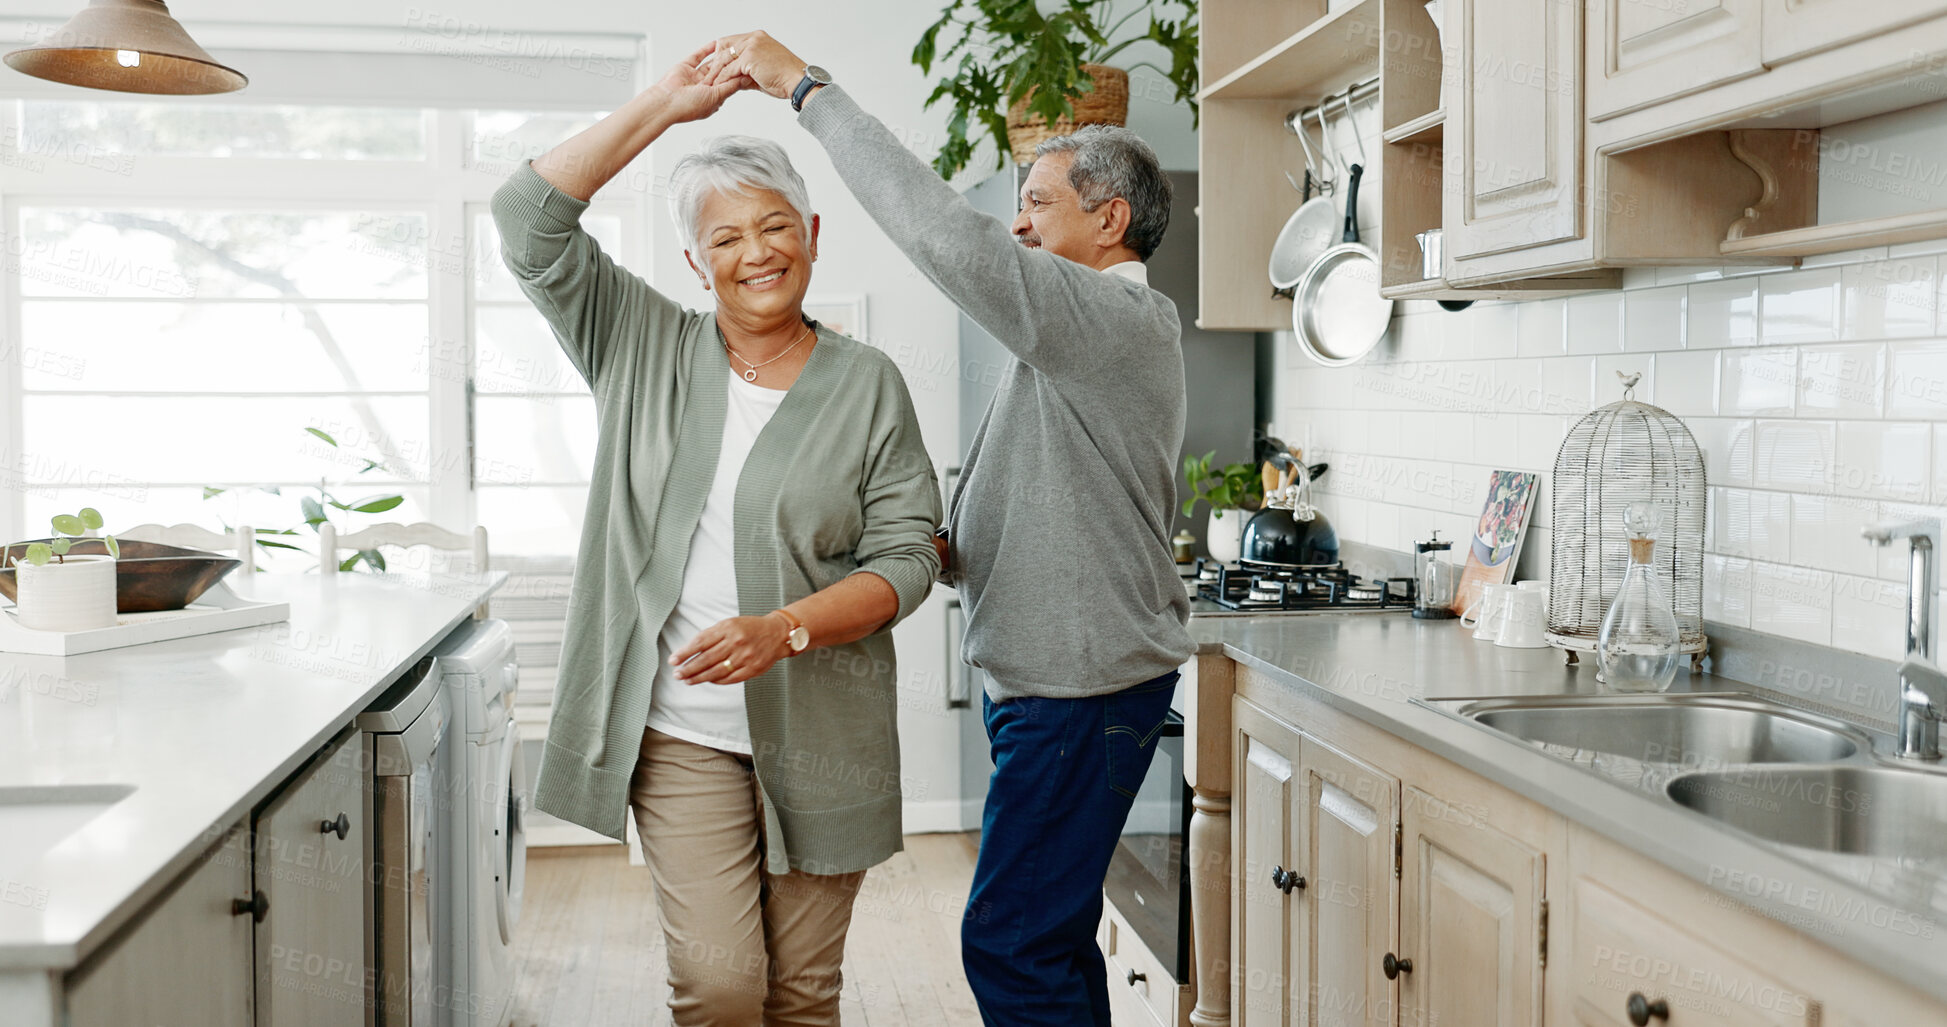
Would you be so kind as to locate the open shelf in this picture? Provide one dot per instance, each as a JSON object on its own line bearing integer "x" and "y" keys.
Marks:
{"x": 1319, "y": 59}
{"x": 1847, "y": 235}
{"x": 1427, "y": 128}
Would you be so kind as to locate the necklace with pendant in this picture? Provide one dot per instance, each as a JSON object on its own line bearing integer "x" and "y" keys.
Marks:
{"x": 750, "y": 372}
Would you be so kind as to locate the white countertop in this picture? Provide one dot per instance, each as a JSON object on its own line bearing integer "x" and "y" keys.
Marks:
{"x": 203, "y": 728}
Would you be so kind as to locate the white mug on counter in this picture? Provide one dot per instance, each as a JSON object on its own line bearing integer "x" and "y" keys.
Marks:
{"x": 1483, "y": 614}
{"x": 1524, "y": 618}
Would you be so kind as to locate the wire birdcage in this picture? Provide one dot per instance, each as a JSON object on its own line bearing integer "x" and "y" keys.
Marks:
{"x": 1619, "y": 454}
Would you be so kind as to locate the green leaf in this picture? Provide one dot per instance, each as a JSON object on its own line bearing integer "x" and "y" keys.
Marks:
{"x": 69, "y": 524}
{"x": 91, "y": 517}
{"x": 38, "y": 553}
{"x": 351, "y": 562}
{"x": 268, "y": 544}
{"x": 370, "y": 465}
{"x": 114, "y": 547}
{"x": 314, "y": 514}
{"x": 61, "y": 546}
{"x": 212, "y": 493}
{"x": 373, "y": 557}
{"x": 379, "y": 505}
{"x": 328, "y": 439}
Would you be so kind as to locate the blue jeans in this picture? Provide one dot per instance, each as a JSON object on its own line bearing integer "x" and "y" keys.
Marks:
{"x": 1065, "y": 774}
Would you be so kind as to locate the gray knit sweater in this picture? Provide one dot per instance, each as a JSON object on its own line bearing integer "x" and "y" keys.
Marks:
{"x": 838, "y": 483}
{"x": 1060, "y": 523}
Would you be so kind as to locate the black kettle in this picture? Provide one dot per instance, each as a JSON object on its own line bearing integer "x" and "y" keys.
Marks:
{"x": 1289, "y": 532}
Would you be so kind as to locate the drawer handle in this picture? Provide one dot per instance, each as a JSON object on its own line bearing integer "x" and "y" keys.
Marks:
{"x": 340, "y": 827}
{"x": 1394, "y": 966}
{"x": 1642, "y": 1010}
{"x": 257, "y": 905}
{"x": 1285, "y": 880}
{"x": 1134, "y": 977}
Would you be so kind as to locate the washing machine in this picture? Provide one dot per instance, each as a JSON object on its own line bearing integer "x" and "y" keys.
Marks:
{"x": 489, "y": 801}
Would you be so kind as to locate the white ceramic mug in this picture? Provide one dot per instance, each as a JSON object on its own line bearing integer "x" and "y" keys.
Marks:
{"x": 1524, "y": 620}
{"x": 1483, "y": 614}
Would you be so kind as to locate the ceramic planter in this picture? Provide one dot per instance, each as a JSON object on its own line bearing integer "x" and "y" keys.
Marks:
{"x": 73, "y": 595}
{"x": 1225, "y": 534}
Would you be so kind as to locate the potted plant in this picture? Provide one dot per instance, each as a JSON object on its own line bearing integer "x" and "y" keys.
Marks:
{"x": 1230, "y": 490}
{"x": 57, "y": 590}
{"x": 1049, "y": 71}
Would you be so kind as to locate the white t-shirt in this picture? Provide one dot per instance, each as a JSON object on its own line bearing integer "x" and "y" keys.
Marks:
{"x": 712, "y": 715}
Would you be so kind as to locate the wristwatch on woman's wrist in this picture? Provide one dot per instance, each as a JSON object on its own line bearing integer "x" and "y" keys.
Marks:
{"x": 814, "y": 76}
{"x": 797, "y": 639}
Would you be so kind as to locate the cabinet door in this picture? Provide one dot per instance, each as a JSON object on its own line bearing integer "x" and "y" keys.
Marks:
{"x": 311, "y": 945}
{"x": 1471, "y": 903}
{"x": 1794, "y": 28}
{"x": 1514, "y": 169}
{"x": 1645, "y": 51}
{"x": 1347, "y": 913}
{"x": 185, "y": 963}
{"x": 1266, "y": 754}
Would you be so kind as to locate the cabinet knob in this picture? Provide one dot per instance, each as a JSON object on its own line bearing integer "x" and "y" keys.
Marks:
{"x": 1134, "y": 977}
{"x": 1285, "y": 880}
{"x": 340, "y": 827}
{"x": 1394, "y": 966}
{"x": 1642, "y": 1010}
{"x": 257, "y": 905}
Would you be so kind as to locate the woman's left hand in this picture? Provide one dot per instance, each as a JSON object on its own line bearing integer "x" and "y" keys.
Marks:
{"x": 731, "y": 651}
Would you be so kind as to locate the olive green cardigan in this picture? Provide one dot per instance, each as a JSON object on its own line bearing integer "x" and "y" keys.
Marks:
{"x": 838, "y": 483}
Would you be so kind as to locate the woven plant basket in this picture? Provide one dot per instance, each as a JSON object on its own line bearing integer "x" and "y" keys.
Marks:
{"x": 1108, "y": 104}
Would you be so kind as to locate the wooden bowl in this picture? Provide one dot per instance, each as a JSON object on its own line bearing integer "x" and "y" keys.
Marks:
{"x": 149, "y": 576}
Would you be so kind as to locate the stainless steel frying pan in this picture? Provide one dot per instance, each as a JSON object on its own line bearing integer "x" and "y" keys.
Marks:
{"x": 1311, "y": 230}
{"x": 1337, "y": 312}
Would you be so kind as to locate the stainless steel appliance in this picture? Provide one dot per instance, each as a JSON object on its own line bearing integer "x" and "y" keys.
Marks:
{"x": 1231, "y": 588}
{"x": 409, "y": 842}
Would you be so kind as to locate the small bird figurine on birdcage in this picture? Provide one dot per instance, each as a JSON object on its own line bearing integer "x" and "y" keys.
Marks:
{"x": 1625, "y": 453}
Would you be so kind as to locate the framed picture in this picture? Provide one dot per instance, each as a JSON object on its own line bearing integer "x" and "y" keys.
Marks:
{"x": 842, "y": 314}
{"x": 1496, "y": 543}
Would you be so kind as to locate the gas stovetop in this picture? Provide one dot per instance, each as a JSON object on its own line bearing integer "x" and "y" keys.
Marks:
{"x": 1250, "y": 588}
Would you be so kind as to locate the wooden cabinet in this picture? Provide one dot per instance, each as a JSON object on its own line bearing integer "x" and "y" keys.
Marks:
{"x": 309, "y": 864}
{"x": 1797, "y": 28}
{"x": 1348, "y": 911}
{"x": 186, "y": 963}
{"x": 1471, "y": 911}
{"x": 1515, "y": 130}
{"x": 1265, "y": 826}
{"x": 1642, "y": 52}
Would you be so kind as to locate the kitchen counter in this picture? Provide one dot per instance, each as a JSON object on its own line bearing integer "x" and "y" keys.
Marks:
{"x": 202, "y": 728}
{"x": 1884, "y": 913}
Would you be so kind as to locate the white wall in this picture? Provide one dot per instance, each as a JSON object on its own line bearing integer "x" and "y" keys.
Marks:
{"x": 1818, "y": 394}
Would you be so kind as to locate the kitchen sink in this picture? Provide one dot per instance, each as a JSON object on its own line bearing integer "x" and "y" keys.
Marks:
{"x": 35, "y": 818}
{"x": 1694, "y": 731}
{"x": 1855, "y": 810}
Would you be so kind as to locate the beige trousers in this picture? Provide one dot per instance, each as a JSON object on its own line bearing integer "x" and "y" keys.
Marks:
{"x": 745, "y": 946}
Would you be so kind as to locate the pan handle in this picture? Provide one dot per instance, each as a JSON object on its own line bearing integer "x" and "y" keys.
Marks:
{"x": 1352, "y": 205}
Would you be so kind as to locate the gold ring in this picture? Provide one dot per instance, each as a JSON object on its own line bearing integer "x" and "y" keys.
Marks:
{"x": 733, "y": 53}
{"x": 730, "y": 667}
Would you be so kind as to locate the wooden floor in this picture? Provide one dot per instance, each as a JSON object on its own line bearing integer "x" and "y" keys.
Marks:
{"x": 590, "y": 952}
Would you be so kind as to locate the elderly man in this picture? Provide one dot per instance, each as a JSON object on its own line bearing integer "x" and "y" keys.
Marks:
{"x": 1059, "y": 527}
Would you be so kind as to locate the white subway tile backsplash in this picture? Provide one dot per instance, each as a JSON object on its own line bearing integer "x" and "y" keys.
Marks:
{"x": 1722, "y": 313}
{"x": 1885, "y": 459}
{"x": 1540, "y": 439}
{"x": 1539, "y": 328}
{"x": 1759, "y": 381}
{"x": 1888, "y": 299}
{"x": 1794, "y": 456}
{"x": 1383, "y": 431}
{"x": 1497, "y": 440}
{"x": 1686, "y": 382}
{"x": 1869, "y": 616}
{"x": 1382, "y": 526}
{"x": 1916, "y": 379}
{"x": 1653, "y": 319}
{"x": 1752, "y": 524}
{"x": 1494, "y": 330}
{"x": 1841, "y": 381}
{"x": 1728, "y": 446}
{"x": 1595, "y": 323}
{"x": 1727, "y": 590}
{"x": 1799, "y": 306}
{"x": 1825, "y": 534}
{"x": 1516, "y": 386}
{"x": 1792, "y": 601}
{"x": 1565, "y": 384}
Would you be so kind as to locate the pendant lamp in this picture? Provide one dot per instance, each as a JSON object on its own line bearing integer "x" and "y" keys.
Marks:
{"x": 133, "y": 46}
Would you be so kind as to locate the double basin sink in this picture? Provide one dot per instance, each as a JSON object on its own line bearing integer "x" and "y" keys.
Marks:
{"x": 1779, "y": 774}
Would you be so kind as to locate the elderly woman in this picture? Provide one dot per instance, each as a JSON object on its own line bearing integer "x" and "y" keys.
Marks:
{"x": 761, "y": 513}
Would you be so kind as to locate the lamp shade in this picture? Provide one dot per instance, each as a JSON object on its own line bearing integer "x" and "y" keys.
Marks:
{"x": 133, "y": 46}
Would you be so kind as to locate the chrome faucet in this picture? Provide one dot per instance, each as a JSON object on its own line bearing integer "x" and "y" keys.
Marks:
{"x": 1923, "y": 687}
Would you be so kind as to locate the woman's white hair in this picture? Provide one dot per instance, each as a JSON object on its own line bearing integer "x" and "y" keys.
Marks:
{"x": 733, "y": 164}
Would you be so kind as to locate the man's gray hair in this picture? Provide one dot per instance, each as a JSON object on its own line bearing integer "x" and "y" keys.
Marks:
{"x": 733, "y": 164}
{"x": 1111, "y": 161}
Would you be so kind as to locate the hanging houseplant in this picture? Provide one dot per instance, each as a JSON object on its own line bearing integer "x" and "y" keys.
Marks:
{"x": 1049, "y": 71}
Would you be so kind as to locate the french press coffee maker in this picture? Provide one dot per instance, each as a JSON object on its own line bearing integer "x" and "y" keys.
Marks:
{"x": 1433, "y": 595}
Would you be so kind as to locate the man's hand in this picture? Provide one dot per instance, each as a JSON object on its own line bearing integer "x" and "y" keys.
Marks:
{"x": 694, "y": 89}
{"x": 731, "y": 650}
{"x": 755, "y": 59}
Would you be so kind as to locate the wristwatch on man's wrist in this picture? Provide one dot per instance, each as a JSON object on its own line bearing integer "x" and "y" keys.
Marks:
{"x": 814, "y": 76}
{"x": 797, "y": 639}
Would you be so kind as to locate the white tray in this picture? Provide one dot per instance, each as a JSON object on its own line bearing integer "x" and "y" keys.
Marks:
{"x": 218, "y": 609}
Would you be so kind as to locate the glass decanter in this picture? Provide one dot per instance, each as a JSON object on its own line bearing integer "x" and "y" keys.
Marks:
{"x": 1638, "y": 647}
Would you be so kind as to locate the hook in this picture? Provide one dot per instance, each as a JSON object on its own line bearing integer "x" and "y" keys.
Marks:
{"x": 1297, "y": 126}
{"x": 1326, "y": 184}
{"x": 1356, "y": 137}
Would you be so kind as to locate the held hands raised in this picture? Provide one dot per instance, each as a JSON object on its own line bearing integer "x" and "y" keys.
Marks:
{"x": 754, "y": 60}
{"x": 695, "y": 88}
